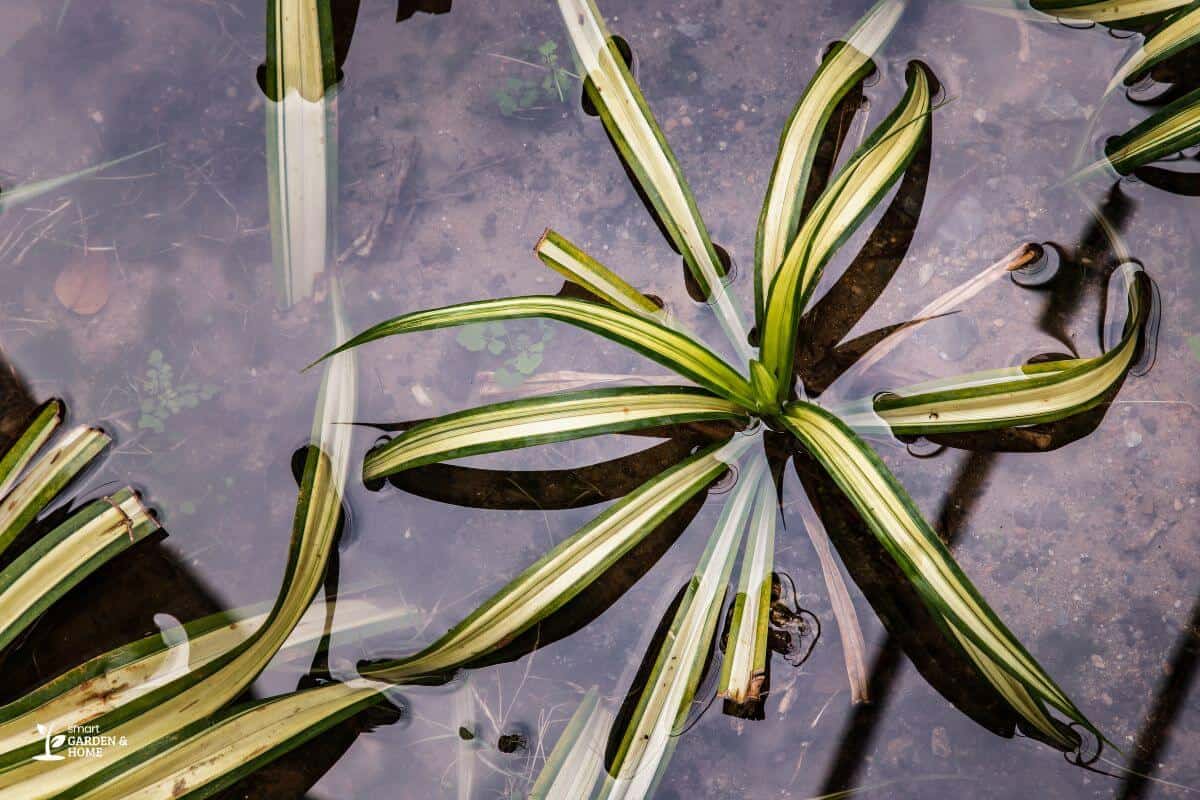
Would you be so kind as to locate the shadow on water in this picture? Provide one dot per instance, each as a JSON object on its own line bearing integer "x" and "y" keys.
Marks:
{"x": 912, "y": 631}
{"x": 1169, "y": 702}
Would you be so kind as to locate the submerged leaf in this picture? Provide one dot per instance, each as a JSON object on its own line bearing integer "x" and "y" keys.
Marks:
{"x": 1180, "y": 32}
{"x": 83, "y": 285}
{"x": 30, "y": 191}
{"x": 575, "y": 763}
{"x": 744, "y": 670}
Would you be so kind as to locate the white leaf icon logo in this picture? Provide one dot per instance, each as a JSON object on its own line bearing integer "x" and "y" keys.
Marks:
{"x": 41, "y": 729}
{"x": 58, "y": 741}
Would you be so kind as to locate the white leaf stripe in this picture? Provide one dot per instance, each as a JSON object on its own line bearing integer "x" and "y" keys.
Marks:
{"x": 876, "y": 165}
{"x": 570, "y": 261}
{"x": 1106, "y": 10}
{"x": 66, "y": 555}
{"x": 577, "y": 760}
{"x": 43, "y": 425}
{"x": 1181, "y": 31}
{"x": 650, "y": 735}
{"x": 540, "y": 420}
{"x": 565, "y": 570}
{"x": 746, "y": 647}
{"x": 847, "y": 64}
{"x": 123, "y": 675}
{"x": 233, "y": 745}
{"x": 300, "y": 46}
{"x": 1172, "y": 128}
{"x": 1014, "y": 692}
{"x": 1002, "y": 398}
{"x": 895, "y": 521}
{"x": 46, "y": 478}
{"x": 668, "y": 347}
{"x": 632, "y": 126}
{"x": 155, "y": 719}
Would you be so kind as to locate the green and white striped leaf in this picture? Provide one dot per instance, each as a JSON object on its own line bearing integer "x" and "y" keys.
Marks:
{"x": 1180, "y": 32}
{"x": 1002, "y": 398}
{"x": 744, "y": 670}
{"x": 564, "y": 257}
{"x": 633, "y": 129}
{"x": 1174, "y": 127}
{"x": 895, "y": 521}
{"x": 1031, "y": 709}
{"x": 847, "y": 63}
{"x": 842, "y": 206}
{"x": 214, "y": 754}
{"x": 152, "y": 721}
{"x": 301, "y": 143}
{"x": 668, "y": 347}
{"x": 650, "y": 735}
{"x": 66, "y": 555}
{"x": 577, "y": 760}
{"x": 127, "y": 673}
{"x": 46, "y": 478}
{"x": 1105, "y": 11}
{"x": 564, "y": 571}
{"x": 43, "y": 425}
{"x": 31, "y": 191}
{"x": 540, "y": 420}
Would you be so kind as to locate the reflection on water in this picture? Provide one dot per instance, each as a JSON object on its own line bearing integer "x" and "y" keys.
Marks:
{"x": 1079, "y": 538}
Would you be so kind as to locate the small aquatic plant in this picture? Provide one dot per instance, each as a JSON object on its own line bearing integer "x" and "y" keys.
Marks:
{"x": 793, "y": 245}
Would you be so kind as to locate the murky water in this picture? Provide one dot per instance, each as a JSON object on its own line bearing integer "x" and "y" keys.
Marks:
{"x": 453, "y": 155}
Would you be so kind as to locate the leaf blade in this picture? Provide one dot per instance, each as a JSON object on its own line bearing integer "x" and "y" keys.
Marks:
{"x": 847, "y": 64}
{"x": 569, "y": 260}
{"x": 668, "y": 347}
{"x": 635, "y": 132}
{"x": 894, "y": 519}
{"x": 541, "y": 420}
{"x": 842, "y": 206}
{"x": 1003, "y": 398}
{"x": 564, "y": 571}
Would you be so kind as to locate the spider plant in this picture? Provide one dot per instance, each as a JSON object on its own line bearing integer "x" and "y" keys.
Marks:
{"x": 764, "y": 395}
